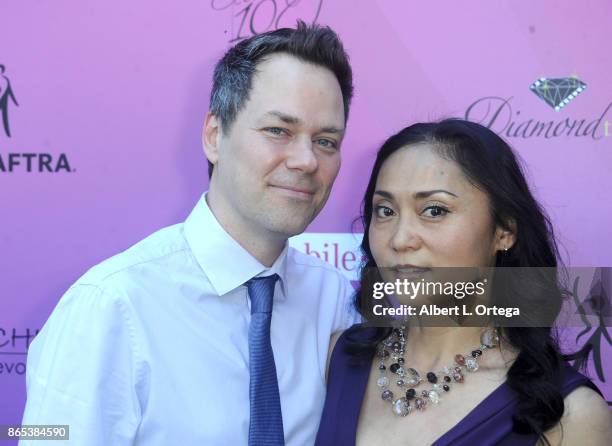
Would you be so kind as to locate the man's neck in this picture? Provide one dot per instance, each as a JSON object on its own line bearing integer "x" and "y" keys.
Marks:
{"x": 263, "y": 245}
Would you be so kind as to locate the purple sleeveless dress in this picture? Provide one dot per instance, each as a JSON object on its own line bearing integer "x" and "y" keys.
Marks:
{"x": 490, "y": 423}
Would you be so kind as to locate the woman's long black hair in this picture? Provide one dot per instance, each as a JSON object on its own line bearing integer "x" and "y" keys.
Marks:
{"x": 491, "y": 165}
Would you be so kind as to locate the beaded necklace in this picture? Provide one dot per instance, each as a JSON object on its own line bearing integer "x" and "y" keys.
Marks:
{"x": 408, "y": 378}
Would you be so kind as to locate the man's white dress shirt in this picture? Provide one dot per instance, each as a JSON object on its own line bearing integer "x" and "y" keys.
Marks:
{"x": 150, "y": 347}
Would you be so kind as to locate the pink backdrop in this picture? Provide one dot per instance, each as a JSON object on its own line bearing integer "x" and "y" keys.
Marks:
{"x": 121, "y": 88}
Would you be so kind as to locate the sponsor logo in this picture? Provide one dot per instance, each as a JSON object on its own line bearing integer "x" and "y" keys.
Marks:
{"x": 342, "y": 250}
{"x": 504, "y": 116}
{"x": 28, "y": 161}
{"x": 557, "y": 92}
{"x": 252, "y": 17}
{"x": 34, "y": 162}
{"x": 7, "y": 97}
{"x": 14, "y": 344}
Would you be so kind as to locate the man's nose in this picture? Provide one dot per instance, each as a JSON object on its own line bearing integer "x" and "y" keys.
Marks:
{"x": 301, "y": 156}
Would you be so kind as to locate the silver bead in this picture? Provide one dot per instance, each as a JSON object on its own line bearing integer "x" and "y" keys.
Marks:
{"x": 433, "y": 396}
{"x": 383, "y": 381}
{"x": 413, "y": 375}
{"x": 471, "y": 364}
{"x": 489, "y": 338}
{"x": 401, "y": 407}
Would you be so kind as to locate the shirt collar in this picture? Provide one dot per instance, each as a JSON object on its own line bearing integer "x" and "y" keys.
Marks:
{"x": 224, "y": 261}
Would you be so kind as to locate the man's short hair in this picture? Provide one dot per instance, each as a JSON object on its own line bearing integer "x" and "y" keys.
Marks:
{"x": 233, "y": 74}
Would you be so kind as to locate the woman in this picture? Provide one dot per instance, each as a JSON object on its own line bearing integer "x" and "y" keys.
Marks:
{"x": 451, "y": 194}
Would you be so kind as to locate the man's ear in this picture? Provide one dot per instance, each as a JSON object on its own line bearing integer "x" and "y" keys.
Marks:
{"x": 211, "y": 136}
{"x": 505, "y": 236}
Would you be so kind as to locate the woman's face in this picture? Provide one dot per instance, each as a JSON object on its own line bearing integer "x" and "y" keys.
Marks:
{"x": 427, "y": 214}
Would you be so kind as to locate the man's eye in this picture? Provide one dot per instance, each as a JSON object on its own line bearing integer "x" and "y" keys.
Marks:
{"x": 277, "y": 131}
{"x": 435, "y": 211}
{"x": 327, "y": 143}
{"x": 383, "y": 211}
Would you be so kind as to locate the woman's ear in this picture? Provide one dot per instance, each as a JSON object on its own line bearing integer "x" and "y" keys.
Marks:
{"x": 505, "y": 236}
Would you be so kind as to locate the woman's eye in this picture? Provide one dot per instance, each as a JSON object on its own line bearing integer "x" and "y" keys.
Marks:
{"x": 435, "y": 211}
{"x": 383, "y": 211}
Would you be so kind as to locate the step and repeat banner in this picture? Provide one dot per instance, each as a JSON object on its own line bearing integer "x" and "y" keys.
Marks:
{"x": 102, "y": 105}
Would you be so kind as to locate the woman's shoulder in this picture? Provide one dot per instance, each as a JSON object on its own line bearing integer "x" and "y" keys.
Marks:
{"x": 586, "y": 415}
{"x": 586, "y": 420}
{"x": 334, "y": 338}
{"x": 573, "y": 379}
{"x": 333, "y": 342}
{"x": 339, "y": 340}
{"x": 584, "y": 401}
{"x": 357, "y": 332}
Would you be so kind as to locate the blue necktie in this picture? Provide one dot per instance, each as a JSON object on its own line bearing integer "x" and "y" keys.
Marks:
{"x": 266, "y": 426}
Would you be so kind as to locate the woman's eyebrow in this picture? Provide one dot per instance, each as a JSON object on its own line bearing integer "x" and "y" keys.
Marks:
{"x": 427, "y": 193}
{"x": 384, "y": 194}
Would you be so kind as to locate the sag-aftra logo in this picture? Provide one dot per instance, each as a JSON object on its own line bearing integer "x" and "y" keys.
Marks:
{"x": 26, "y": 161}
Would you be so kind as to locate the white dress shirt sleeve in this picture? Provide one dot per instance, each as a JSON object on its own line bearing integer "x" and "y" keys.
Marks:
{"x": 82, "y": 370}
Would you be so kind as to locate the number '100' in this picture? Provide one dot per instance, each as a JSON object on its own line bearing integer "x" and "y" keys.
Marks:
{"x": 256, "y": 11}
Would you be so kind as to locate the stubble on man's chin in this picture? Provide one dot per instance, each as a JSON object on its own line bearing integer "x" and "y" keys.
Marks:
{"x": 289, "y": 225}
{"x": 289, "y": 228}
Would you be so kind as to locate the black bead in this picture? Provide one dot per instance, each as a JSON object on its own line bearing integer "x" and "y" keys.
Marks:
{"x": 382, "y": 367}
{"x": 447, "y": 379}
{"x": 432, "y": 378}
{"x": 410, "y": 393}
{"x": 400, "y": 360}
{"x": 476, "y": 353}
{"x": 446, "y": 388}
{"x": 394, "y": 367}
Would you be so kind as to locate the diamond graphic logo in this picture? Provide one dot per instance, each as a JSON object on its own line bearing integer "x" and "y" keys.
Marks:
{"x": 557, "y": 92}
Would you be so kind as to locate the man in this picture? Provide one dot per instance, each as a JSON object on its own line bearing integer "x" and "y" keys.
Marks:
{"x": 213, "y": 331}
